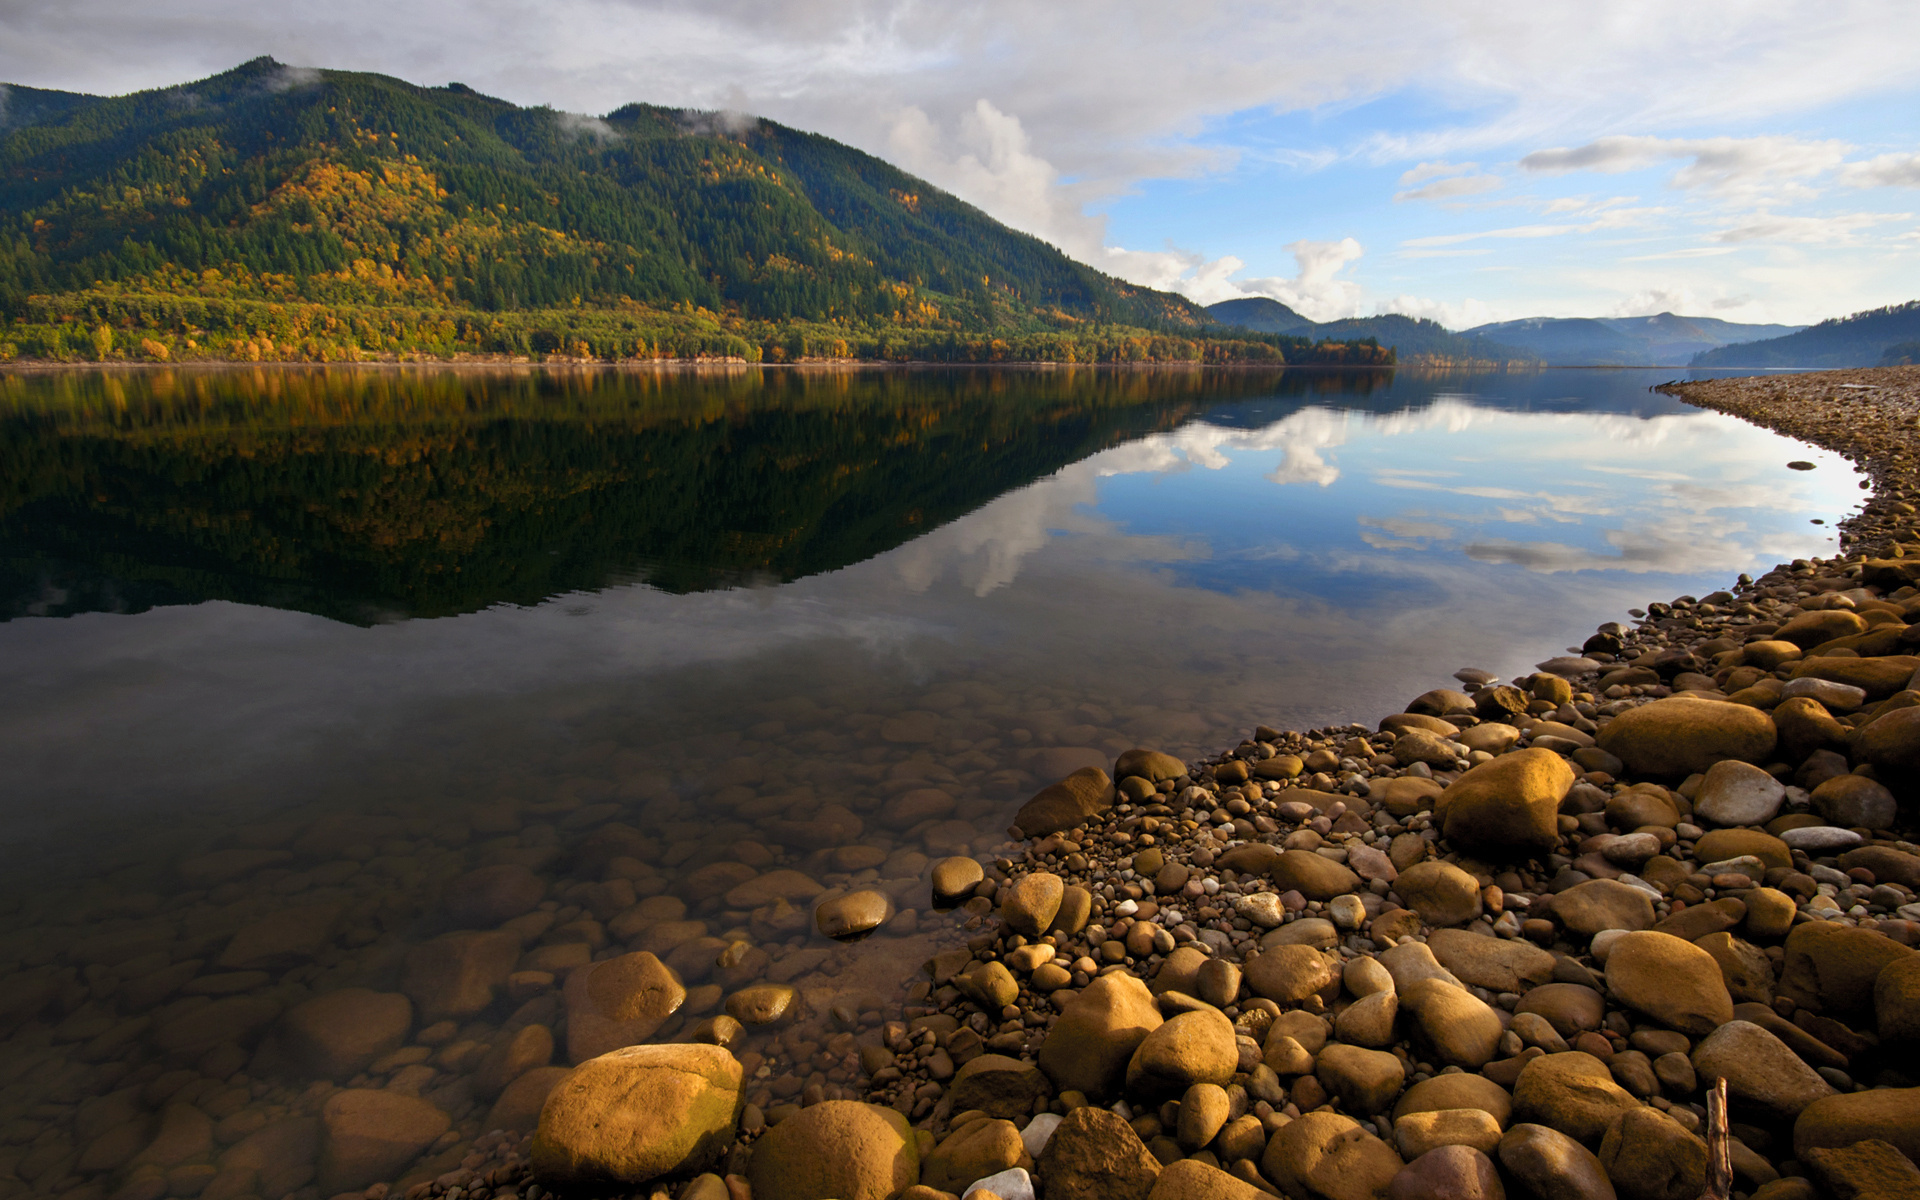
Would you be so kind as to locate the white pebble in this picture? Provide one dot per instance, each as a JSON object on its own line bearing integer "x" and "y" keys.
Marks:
{"x": 1038, "y": 1132}
{"x": 1010, "y": 1184}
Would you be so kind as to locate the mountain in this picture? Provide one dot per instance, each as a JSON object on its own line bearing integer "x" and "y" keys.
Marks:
{"x": 1861, "y": 340}
{"x": 1410, "y": 338}
{"x": 1261, "y": 313}
{"x": 269, "y": 212}
{"x": 1663, "y": 340}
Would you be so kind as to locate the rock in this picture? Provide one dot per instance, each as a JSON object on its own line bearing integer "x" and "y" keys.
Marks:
{"x": 1891, "y": 743}
{"x": 1806, "y": 727}
{"x": 1312, "y": 875}
{"x": 280, "y": 1156}
{"x": 1879, "y": 677}
{"x": 839, "y": 1148}
{"x": 1759, "y": 1069}
{"x": 853, "y": 915}
{"x": 1647, "y": 1156}
{"x": 1770, "y": 912}
{"x": 1448, "y": 1173}
{"x": 184, "y": 1133}
{"x": 530, "y": 1048}
{"x": 1440, "y": 892}
{"x": 1193, "y": 1047}
{"x": 1738, "y": 793}
{"x": 1190, "y": 1179}
{"x": 1682, "y": 736}
{"x": 1151, "y": 765}
{"x": 1887, "y": 864}
{"x": 230, "y": 1019}
{"x": 1571, "y": 1008}
{"x": 1364, "y": 976}
{"x": 1890, "y": 1114}
{"x": 289, "y": 936}
{"x": 371, "y": 1135}
{"x": 1204, "y": 1112}
{"x": 1066, "y": 804}
{"x": 1868, "y": 1170}
{"x": 1507, "y": 807}
{"x": 1810, "y": 629}
{"x": 1094, "y": 1155}
{"x": 338, "y": 1034}
{"x": 1573, "y": 1093}
{"x": 1317, "y": 933}
{"x": 954, "y": 880}
{"x": 520, "y": 1102}
{"x": 1363, "y": 1081}
{"x": 1289, "y": 974}
{"x": 998, "y": 1086}
{"x": 1088, "y": 1048}
{"x": 1744, "y": 967}
{"x": 1263, "y": 910}
{"x": 1029, "y": 903}
{"x": 619, "y": 1002}
{"x": 1418, "y": 1133}
{"x": 1497, "y": 964}
{"x": 1462, "y": 1029}
{"x": 1369, "y": 1021}
{"x": 639, "y": 1112}
{"x": 1549, "y": 1163}
{"x": 792, "y": 886}
{"x": 1410, "y": 962}
{"x": 991, "y": 985}
{"x": 1642, "y": 805}
{"x": 1819, "y": 839}
{"x": 1896, "y": 1000}
{"x": 489, "y": 896}
{"x": 1673, "y": 981}
{"x": 974, "y": 1151}
{"x": 1832, "y": 968}
{"x": 1602, "y": 904}
{"x": 1445, "y": 1093}
{"x": 1723, "y": 844}
{"x": 457, "y": 974}
{"x": 1416, "y": 745}
{"x": 764, "y": 1003}
{"x": 1325, "y": 1156}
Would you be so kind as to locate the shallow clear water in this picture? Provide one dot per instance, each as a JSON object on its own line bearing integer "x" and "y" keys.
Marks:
{"x": 389, "y": 626}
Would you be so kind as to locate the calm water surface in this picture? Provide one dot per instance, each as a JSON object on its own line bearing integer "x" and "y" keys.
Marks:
{"x": 318, "y": 642}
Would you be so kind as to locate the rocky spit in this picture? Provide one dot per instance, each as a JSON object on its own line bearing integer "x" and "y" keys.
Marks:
{"x": 1509, "y": 941}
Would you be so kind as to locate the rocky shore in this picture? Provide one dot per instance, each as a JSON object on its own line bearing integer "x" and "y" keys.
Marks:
{"x": 1507, "y": 942}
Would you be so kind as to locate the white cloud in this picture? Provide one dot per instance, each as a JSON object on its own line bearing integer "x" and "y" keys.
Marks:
{"x": 1451, "y": 189}
{"x": 1814, "y": 231}
{"x": 1721, "y": 164}
{"x": 1887, "y": 170}
{"x": 1434, "y": 170}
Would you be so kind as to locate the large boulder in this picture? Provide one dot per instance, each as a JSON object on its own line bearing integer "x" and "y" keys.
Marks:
{"x": 1150, "y": 765}
{"x": 1739, "y": 793}
{"x": 974, "y": 1151}
{"x": 1682, "y": 736}
{"x": 1363, "y": 1081}
{"x": 1088, "y": 1048}
{"x": 338, "y": 1034}
{"x": 1440, "y": 892}
{"x": 640, "y": 1112}
{"x": 1029, "y": 903}
{"x": 1506, "y": 807}
{"x": 1602, "y": 904}
{"x": 1878, "y": 677}
{"x": 1832, "y": 968}
{"x": 1673, "y": 981}
{"x": 1451, "y": 1172}
{"x": 1325, "y": 1156}
{"x": 1094, "y": 1155}
{"x": 372, "y": 1135}
{"x": 1191, "y": 1179}
{"x": 1444, "y": 1092}
{"x": 838, "y": 1148}
{"x": 458, "y": 974}
{"x": 1066, "y": 804}
{"x": 1549, "y": 1163}
{"x": 1890, "y": 1114}
{"x": 1288, "y": 974}
{"x": 1896, "y": 1000}
{"x": 1461, "y": 1029}
{"x": 1497, "y": 964}
{"x": 1572, "y": 1092}
{"x": 1891, "y": 743}
{"x": 1312, "y": 875}
{"x": 1648, "y": 1156}
{"x": 1759, "y": 1069}
{"x": 619, "y": 1002}
{"x": 997, "y": 1085}
{"x": 1191, "y": 1047}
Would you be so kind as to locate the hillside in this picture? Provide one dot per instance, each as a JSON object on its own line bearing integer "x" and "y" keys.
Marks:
{"x": 273, "y": 213}
{"x": 1861, "y": 340}
{"x": 1410, "y": 338}
{"x": 1663, "y": 340}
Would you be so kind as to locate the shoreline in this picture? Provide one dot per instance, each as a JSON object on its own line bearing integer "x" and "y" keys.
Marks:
{"x": 1230, "y": 964}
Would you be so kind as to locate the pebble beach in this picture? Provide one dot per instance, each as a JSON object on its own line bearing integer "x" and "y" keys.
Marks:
{"x": 1506, "y": 942}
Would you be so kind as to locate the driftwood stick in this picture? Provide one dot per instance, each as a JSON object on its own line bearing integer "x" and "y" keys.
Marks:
{"x": 1719, "y": 1145}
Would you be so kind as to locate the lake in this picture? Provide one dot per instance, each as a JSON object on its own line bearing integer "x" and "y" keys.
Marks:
{"x": 292, "y": 651}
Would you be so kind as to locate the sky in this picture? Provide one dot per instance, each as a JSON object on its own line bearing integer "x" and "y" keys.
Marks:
{"x": 1752, "y": 160}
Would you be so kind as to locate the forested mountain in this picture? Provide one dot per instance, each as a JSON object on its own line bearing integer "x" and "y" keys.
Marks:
{"x": 269, "y": 212}
{"x": 1410, "y": 338}
{"x": 1864, "y": 339}
{"x": 1662, "y": 340}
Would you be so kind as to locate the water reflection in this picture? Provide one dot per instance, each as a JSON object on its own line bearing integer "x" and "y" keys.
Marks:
{"x": 952, "y": 587}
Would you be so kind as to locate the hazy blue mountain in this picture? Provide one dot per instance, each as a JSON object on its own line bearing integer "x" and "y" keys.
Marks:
{"x": 1409, "y": 337}
{"x": 1861, "y": 340}
{"x": 1657, "y": 341}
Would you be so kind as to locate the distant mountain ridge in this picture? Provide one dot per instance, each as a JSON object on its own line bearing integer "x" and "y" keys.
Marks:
{"x": 1411, "y": 338}
{"x": 1877, "y": 337}
{"x": 1665, "y": 340}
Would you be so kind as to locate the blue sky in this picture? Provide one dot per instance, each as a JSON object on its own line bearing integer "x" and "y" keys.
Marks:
{"x": 1755, "y": 160}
